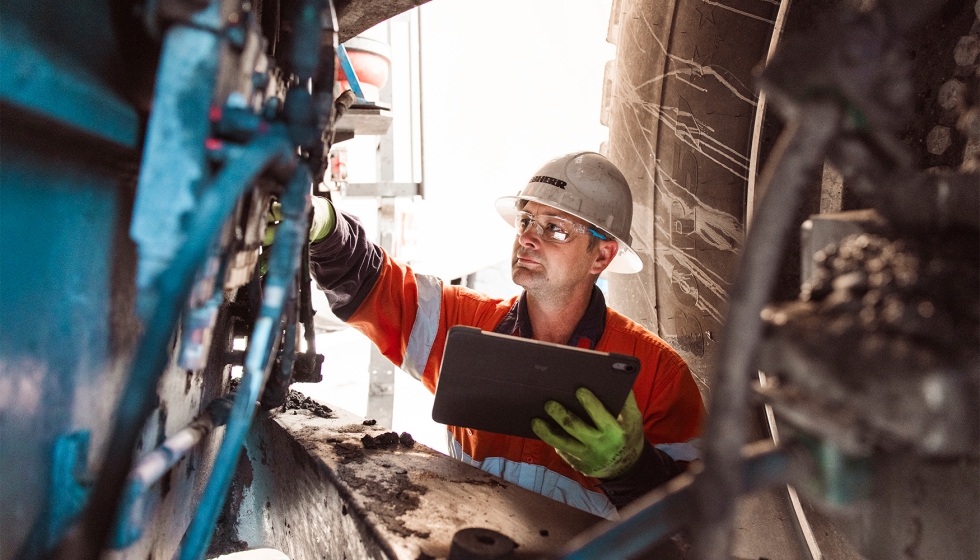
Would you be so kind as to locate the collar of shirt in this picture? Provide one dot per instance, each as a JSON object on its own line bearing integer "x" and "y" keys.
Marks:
{"x": 587, "y": 333}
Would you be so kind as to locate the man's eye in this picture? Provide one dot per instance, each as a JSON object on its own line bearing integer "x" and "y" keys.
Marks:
{"x": 524, "y": 222}
{"x": 556, "y": 228}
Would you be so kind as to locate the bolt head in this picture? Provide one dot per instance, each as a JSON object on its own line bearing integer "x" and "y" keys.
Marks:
{"x": 969, "y": 123}
{"x": 938, "y": 139}
{"x": 952, "y": 95}
{"x": 967, "y": 50}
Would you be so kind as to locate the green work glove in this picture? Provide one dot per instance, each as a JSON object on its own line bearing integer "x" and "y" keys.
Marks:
{"x": 323, "y": 221}
{"x": 607, "y": 451}
{"x": 320, "y": 227}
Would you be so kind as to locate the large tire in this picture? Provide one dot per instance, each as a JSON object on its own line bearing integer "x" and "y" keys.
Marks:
{"x": 681, "y": 113}
{"x": 680, "y": 107}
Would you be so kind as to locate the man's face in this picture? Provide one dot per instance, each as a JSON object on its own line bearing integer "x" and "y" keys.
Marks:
{"x": 543, "y": 267}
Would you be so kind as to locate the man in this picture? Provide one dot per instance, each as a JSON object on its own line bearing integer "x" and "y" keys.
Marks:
{"x": 573, "y": 222}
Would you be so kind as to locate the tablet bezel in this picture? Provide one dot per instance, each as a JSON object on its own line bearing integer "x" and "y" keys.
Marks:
{"x": 499, "y": 383}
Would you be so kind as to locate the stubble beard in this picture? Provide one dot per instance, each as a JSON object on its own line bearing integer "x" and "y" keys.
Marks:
{"x": 526, "y": 278}
{"x": 535, "y": 282}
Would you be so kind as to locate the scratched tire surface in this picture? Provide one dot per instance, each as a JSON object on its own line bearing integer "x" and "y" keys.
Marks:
{"x": 679, "y": 104}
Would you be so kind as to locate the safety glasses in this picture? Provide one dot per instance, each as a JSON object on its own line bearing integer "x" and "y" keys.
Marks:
{"x": 552, "y": 228}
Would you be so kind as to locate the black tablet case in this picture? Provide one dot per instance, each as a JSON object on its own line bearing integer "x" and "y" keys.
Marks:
{"x": 498, "y": 383}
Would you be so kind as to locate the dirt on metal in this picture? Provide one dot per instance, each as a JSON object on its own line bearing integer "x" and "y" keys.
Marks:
{"x": 389, "y": 497}
{"x": 298, "y": 401}
{"x": 388, "y": 494}
{"x": 414, "y": 499}
{"x": 914, "y": 292}
{"x": 347, "y": 452}
{"x": 387, "y": 440}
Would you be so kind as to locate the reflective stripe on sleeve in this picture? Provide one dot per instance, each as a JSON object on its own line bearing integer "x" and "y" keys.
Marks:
{"x": 538, "y": 478}
{"x": 687, "y": 451}
{"x": 426, "y": 324}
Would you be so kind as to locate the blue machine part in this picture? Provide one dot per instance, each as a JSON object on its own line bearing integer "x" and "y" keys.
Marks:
{"x": 137, "y": 505}
{"x": 68, "y": 493}
{"x": 671, "y": 507}
{"x": 57, "y": 224}
{"x": 196, "y": 329}
{"x": 58, "y": 88}
{"x": 70, "y": 484}
{"x": 355, "y": 84}
{"x": 174, "y": 164}
{"x": 279, "y": 282}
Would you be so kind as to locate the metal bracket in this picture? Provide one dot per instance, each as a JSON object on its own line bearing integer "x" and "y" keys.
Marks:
{"x": 70, "y": 484}
{"x": 383, "y": 189}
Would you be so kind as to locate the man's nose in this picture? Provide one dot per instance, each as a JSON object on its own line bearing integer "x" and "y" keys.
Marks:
{"x": 529, "y": 237}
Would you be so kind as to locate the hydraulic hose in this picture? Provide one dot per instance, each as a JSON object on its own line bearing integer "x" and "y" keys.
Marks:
{"x": 151, "y": 468}
{"x": 283, "y": 264}
{"x": 139, "y": 395}
{"x": 277, "y": 387}
{"x": 798, "y": 155}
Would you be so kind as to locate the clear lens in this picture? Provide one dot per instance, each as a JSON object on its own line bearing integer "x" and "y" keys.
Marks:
{"x": 549, "y": 228}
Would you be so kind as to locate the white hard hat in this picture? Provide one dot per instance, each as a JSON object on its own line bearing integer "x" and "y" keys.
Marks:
{"x": 589, "y": 187}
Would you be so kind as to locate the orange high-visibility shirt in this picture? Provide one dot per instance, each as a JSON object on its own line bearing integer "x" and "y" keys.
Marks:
{"x": 408, "y": 315}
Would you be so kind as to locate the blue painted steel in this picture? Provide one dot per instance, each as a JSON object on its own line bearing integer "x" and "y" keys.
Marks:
{"x": 309, "y": 101}
{"x": 355, "y": 84}
{"x": 70, "y": 484}
{"x": 641, "y": 530}
{"x": 175, "y": 167}
{"x": 55, "y": 89}
{"x": 67, "y": 335}
{"x": 57, "y": 220}
{"x": 79, "y": 34}
{"x": 173, "y": 287}
{"x": 67, "y": 494}
{"x": 198, "y": 321}
{"x": 283, "y": 264}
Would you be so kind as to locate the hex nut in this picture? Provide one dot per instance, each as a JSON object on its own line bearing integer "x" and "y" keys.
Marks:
{"x": 967, "y": 50}
{"x": 938, "y": 140}
{"x": 972, "y": 149}
{"x": 969, "y": 123}
{"x": 971, "y": 156}
{"x": 951, "y": 95}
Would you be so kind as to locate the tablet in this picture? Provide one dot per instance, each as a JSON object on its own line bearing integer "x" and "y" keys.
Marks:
{"x": 499, "y": 383}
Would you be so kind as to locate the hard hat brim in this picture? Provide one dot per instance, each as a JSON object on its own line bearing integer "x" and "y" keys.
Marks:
{"x": 626, "y": 262}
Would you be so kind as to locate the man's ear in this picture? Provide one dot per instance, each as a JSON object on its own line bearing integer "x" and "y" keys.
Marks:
{"x": 607, "y": 251}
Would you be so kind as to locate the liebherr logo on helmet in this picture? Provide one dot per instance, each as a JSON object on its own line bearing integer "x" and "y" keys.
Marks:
{"x": 549, "y": 180}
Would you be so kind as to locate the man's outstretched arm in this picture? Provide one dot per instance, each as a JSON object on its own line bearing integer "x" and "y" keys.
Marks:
{"x": 343, "y": 260}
